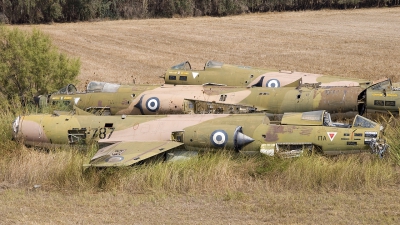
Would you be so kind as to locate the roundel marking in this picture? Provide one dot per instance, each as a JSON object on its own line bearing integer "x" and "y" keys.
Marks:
{"x": 219, "y": 138}
{"x": 273, "y": 83}
{"x": 153, "y": 104}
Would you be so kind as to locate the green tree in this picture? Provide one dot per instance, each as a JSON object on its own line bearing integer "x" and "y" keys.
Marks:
{"x": 30, "y": 65}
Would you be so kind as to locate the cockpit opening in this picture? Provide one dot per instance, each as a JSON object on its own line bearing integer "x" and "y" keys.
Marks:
{"x": 213, "y": 64}
{"x": 360, "y": 121}
{"x": 328, "y": 122}
{"x": 95, "y": 86}
{"x": 69, "y": 90}
{"x": 186, "y": 65}
{"x": 381, "y": 85}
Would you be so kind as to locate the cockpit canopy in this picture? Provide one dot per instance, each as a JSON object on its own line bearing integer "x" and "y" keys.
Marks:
{"x": 213, "y": 64}
{"x": 186, "y": 65}
{"x": 383, "y": 85}
{"x": 182, "y": 66}
{"x": 68, "y": 90}
{"x": 313, "y": 118}
{"x": 323, "y": 118}
{"x": 95, "y": 86}
{"x": 360, "y": 121}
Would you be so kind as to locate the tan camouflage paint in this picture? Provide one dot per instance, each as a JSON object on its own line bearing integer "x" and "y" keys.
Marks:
{"x": 132, "y": 133}
{"x": 170, "y": 99}
{"x": 234, "y": 75}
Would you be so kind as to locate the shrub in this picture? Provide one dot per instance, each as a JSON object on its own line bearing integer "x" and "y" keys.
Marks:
{"x": 30, "y": 65}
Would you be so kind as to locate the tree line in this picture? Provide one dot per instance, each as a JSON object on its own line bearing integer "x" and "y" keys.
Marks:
{"x": 45, "y": 11}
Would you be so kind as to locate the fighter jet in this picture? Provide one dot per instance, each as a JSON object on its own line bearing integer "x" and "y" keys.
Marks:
{"x": 106, "y": 98}
{"x": 127, "y": 140}
{"x": 221, "y": 74}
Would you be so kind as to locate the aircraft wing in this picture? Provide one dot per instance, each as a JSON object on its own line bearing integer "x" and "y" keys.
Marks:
{"x": 128, "y": 153}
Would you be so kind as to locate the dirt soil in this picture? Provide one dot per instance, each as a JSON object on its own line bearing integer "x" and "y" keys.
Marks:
{"x": 42, "y": 207}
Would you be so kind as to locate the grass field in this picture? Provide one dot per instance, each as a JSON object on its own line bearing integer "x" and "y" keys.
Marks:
{"x": 356, "y": 43}
{"x": 221, "y": 189}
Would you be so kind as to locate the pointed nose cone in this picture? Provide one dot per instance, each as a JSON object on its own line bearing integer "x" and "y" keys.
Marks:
{"x": 242, "y": 140}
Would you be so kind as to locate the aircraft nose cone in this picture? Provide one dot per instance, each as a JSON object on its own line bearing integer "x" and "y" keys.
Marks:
{"x": 242, "y": 140}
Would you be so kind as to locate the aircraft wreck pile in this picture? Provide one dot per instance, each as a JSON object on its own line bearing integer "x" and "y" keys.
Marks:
{"x": 196, "y": 109}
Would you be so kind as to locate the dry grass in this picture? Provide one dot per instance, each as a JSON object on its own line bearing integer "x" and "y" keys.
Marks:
{"x": 220, "y": 189}
{"x": 214, "y": 188}
{"x": 219, "y": 193}
{"x": 40, "y": 207}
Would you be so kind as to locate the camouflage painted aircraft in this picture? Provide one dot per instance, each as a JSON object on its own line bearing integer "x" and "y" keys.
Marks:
{"x": 106, "y": 98}
{"x": 126, "y": 140}
{"x": 218, "y": 73}
{"x": 383, "y": 97}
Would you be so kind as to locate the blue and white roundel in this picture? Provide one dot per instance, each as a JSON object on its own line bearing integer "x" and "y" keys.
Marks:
{"x": 219, "y": 138}
{"x": 153, "y": 104}
{"x": 273, "y": 83}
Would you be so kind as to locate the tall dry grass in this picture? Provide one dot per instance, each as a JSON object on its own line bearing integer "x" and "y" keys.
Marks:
{"x": 218, "y": 173}
{"x": 214, "y": 172}
{"x": 392, "y": 134}
{"x": 343, "y": 173}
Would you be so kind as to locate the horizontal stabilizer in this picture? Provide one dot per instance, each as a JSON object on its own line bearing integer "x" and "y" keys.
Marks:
{"x": 128, "y": 153}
